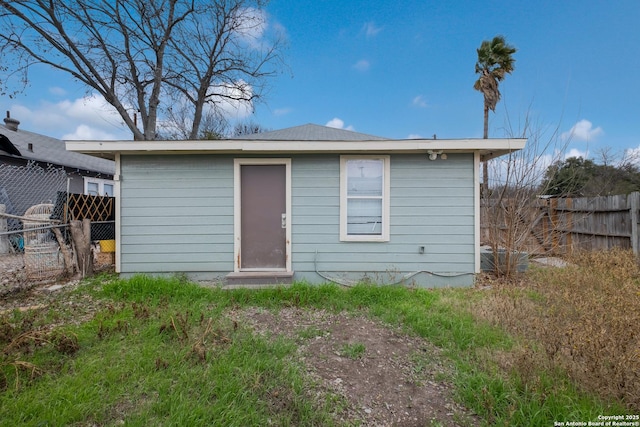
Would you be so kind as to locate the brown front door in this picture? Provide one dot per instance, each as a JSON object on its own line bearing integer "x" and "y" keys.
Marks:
{"x": 263, "y": 217}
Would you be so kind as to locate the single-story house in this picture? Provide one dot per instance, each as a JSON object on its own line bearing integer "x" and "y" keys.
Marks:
{"x": 308, "y": 203}
{"x": 25, "y": 159}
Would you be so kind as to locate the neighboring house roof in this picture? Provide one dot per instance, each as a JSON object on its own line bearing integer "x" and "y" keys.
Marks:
{"x": 8, "y": 147}
{"x": 311, "y": 132}
{"x": 304, "y": 139}
{"x": 27, "y": 145}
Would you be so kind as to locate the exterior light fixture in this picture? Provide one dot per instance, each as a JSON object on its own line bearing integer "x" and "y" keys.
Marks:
{"x": 433, "y": 155}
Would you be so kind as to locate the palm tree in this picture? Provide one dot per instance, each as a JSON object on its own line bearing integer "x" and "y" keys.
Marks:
{"x": 495, "y": 60}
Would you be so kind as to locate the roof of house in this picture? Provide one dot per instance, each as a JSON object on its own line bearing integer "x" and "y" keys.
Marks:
{"x": 311, "y": 132}
{"x": 27, "y": 145}
{"x": 303, "y": 139}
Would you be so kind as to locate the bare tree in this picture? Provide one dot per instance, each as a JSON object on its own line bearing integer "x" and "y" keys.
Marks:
{"x": 510, "y": 212}
{"x": 178, "y": 123}
{"x": 144, "y": 55}
{"x": 247, "y": 128}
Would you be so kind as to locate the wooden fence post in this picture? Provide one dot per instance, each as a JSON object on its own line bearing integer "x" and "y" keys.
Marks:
{"x": 568, "y": 227}
{"x": 81, "y": 235}
{"x": 634, "y": 206}
{"x": 5, "y": 246}
{"x": 553, "y": 216}
{"x": 545, "y": 221}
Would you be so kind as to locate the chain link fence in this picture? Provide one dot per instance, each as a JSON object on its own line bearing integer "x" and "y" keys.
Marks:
{"x": 35, "y": 212}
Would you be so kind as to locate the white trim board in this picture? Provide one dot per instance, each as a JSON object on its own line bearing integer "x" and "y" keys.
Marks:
{"x": 488, "y": 148}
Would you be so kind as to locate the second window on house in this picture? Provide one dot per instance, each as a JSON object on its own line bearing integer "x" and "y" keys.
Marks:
{"x": 98, "y": 187}
{"x": 364, "y": 198}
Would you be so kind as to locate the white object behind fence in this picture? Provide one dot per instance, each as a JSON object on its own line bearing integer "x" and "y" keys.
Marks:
{"x": 42, "y": 256}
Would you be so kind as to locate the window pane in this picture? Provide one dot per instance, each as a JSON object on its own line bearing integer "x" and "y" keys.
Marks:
{"x": 92, "y": 188}
{"x": 108, "y": 190}
{"x": 364, "y": 177}
{"x": 364, "y": 216}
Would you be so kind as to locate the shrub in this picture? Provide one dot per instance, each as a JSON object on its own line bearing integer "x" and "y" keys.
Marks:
{"x": 583, "y": 319}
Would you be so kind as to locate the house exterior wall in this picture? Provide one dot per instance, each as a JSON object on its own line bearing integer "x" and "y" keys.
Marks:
{"x": 76, "y": 183}
{"x": 177, "y": 216}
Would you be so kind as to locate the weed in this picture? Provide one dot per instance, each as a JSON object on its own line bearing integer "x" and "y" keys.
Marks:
{"x": 353, "y": 351}
{"x": 311, "y": 332}
{"x": 65, "y": 343}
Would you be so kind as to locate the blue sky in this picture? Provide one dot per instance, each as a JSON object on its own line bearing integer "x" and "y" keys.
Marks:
{"x": 406, "y": 69}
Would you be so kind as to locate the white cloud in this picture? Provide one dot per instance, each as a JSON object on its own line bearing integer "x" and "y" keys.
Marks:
{"x": 574, "y": 152}
{"x": 633, "y": 155}
{"x": 233, "y": 109}
{"x": 582, "y": 131}
{"x": 92, "y": 109}
{"x": 362, "y": 65}
{"x": 523, "y": 168}
{"x": 370, "y": 29}
{"x": 338, "y": 124}
{"x": 230, "y": 101}
{"x": 419, "y": 102}
{"x": 84, "y": 132}
{"x": 252, "y": 24}
{"x": 414, "y": 136}
{"x": 91, "y": 117}
{"x": 80, "y": 117}
{"x": 335, "y": 123}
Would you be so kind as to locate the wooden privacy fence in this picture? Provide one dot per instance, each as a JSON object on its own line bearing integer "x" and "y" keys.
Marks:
{"x": 558, "y": 226}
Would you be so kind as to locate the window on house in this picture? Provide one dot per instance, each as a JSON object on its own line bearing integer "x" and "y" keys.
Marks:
{"x": 98, "y": 187}
{"x": 364, "y": 204}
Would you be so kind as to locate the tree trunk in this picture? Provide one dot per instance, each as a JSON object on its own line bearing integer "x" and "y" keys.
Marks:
{"x": 81, "y": 235}
{"x": 486, "y": 121}
{"x": 484, "y": 189}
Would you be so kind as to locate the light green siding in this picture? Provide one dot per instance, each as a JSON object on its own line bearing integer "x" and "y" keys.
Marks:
{"x": 177, "y": 216}
{"x": 432, "y": 205}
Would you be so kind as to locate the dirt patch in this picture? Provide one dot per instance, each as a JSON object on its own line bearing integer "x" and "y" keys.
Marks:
{"x": 388, "y": 377}
{"x": 13, "y": 277}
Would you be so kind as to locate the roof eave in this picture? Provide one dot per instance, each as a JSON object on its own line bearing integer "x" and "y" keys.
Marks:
{"x": 488, "y": 148}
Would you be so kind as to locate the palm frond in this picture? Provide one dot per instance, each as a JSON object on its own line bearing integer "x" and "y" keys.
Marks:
{"x": 495, "y": 61}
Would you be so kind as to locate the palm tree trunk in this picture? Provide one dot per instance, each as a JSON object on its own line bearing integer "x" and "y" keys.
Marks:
{"x": 484, "y": 190}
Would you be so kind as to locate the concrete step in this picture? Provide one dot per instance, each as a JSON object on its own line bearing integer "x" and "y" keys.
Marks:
{"x": 258, "y": 278}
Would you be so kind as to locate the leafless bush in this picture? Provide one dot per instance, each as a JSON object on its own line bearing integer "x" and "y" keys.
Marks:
{"x": 506, "y": 212}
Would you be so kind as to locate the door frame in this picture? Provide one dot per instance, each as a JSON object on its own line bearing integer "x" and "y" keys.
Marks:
{"x": 237, "y": 225}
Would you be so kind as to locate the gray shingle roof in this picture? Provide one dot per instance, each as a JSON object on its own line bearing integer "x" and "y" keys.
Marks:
{"x": 311, "y": 132}
{"x": 52, "y": 150}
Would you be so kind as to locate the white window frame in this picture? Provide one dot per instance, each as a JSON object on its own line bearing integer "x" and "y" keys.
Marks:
{"x": 101, "y": 183}
{"x": 386, "y": 186}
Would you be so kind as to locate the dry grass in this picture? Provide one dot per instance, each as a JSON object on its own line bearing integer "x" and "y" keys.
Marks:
{"x": 19, "y": 341}
{"x": 583, "y": 319}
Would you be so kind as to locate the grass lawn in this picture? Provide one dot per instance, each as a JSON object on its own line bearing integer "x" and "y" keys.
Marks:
{"x": 166, "y": 352}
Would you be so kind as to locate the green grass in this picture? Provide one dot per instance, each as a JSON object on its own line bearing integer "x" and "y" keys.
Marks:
{"x": 162, "y": 352}
{"x": 353, "y": 351}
